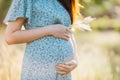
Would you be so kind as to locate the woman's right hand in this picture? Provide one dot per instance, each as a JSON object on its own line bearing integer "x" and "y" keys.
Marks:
{"x": 59, "y": 31}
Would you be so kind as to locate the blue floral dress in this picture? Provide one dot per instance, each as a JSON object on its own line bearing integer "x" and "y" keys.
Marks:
{"x": 41, "y": 55}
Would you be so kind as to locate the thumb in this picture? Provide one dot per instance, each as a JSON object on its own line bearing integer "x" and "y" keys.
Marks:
{"x": 68, "y": 63}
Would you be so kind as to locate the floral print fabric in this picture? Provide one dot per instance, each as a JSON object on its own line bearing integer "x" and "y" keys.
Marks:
{"x": 41, "y": 55}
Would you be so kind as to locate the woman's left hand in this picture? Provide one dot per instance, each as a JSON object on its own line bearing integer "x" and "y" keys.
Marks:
{"x": 67, "y": 67}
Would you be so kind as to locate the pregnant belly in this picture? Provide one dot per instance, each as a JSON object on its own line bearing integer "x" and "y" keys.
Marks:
{"x": 49, "y": 49}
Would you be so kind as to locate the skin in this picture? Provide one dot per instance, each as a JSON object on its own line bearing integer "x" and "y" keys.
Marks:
{"x": 67, "y": 67}
{"x": 14, "y": 35}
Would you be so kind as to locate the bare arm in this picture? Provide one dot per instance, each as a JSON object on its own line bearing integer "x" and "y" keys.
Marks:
{"x": 14, "y": 34}
{"x": 67, "y": 67}
{"x": 75, "y": 56}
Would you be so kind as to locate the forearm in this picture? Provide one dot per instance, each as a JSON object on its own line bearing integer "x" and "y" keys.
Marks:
{"x": 75, "y": 55}
{"x": 23, "y": 36}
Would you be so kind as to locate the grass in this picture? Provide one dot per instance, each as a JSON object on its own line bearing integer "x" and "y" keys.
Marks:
{"x": 98, "y": 54}
{"x": 106, "y": 23}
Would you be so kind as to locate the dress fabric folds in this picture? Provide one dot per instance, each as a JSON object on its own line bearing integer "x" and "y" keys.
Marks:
{"x": 41, "y": 55}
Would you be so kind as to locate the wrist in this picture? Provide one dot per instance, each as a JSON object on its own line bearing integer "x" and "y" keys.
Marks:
{"x": 49, "y": 31}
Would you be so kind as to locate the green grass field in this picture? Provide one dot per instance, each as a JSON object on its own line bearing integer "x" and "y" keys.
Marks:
{"x": 98, "y": 54}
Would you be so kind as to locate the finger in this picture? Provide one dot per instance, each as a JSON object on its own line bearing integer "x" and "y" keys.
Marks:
{"x": 61, "y": 68}
{"x": 61, "y": 72}
{"x": 66, "y": 38}
{"x": 67, "y": 35}
{"x": 64, "y": 75}
{"x": 62, "y": 65}
{"x": 63, "y": 37}
{"x": 69, "y": 63}
{"x": 65, "y": 70}
{"x": 68, "y": 31}
{"x": 58, "y": 70}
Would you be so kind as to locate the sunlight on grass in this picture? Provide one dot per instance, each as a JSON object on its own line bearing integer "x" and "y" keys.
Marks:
{"x": 93, "y": 63}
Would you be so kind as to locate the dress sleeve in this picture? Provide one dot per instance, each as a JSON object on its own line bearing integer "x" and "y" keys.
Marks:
{"x": 19, "y": 9}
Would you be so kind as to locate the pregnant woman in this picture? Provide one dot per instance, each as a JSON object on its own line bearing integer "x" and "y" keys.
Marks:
{"x": 50, "y": 52}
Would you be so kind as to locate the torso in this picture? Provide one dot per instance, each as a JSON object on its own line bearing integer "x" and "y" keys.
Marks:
{"x": 46, "y": 12}
{"x": 43, "y": 54}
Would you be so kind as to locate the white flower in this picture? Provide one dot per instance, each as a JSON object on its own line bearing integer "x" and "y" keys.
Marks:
{"x": 83, "y": 27}
{"x": 82, "y": 24}
{"x": 88, "y": 19}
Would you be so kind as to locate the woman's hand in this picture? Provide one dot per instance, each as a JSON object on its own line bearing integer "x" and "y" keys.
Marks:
{"x": 59, "y": 31}
{"x": 64, "y": 69}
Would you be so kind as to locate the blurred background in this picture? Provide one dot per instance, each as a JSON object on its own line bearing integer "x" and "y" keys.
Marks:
{"x": 98, "y": 51}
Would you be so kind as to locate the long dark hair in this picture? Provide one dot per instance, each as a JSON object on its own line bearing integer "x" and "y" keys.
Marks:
{"x": 72, "y": 7}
